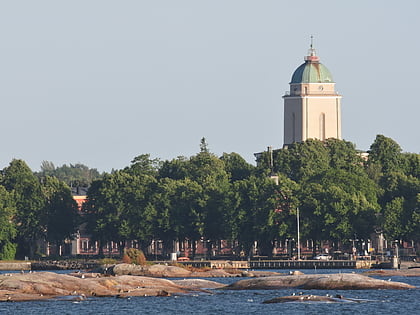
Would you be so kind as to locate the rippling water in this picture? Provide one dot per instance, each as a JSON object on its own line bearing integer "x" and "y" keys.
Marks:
{"x": 234, "y": 302}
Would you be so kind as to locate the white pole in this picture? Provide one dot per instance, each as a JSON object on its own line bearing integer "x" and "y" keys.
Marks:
{"x": 298, "y": 233}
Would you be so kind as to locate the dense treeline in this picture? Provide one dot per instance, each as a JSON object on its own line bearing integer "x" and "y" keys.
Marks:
{"x": 77, "y": 175}
{"x": 338, "y": 191}
{"x": 341, "y": 195}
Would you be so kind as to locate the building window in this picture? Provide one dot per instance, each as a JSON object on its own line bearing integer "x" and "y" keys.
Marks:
{"x": 293, "y": 127}
{"x": 322, "y": 127}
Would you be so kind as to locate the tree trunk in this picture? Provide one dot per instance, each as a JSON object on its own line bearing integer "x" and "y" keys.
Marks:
{"x": 122, "y": 247}
{"x": 194, "y": 248}
{"x": 101, "y": 249}
{"x": 314, "y": 248}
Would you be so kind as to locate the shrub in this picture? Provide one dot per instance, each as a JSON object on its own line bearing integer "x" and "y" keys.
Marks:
{"x": 136, "y": 256}
{"x": 126, "y": 259}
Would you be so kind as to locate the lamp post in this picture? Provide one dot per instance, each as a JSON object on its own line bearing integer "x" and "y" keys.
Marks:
{"x": 298, "y": 233}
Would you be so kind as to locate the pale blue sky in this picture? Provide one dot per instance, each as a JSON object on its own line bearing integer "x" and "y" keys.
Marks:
{"x": 100, "y": 82}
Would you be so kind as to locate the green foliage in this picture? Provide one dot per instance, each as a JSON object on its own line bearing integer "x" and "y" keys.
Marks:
{"x": 204, "y": 146}
{"x": 175, "y": 169}
{"x": 236, "y": 166}
{"x": 120, "y": 208}
{"x": 207, "y": 198}
{"x": 392, "y": 223}
{"x": 387, "y": 153}
{"x": 144, "y": 165}
{"x": 336, "y": 204}
{"x": 30, "y": 217}
{"x": 263, "y": 211}
{"x": 7, "y": 251}
{"x": 61, "y": 211}
{"x": 77, "y": 175}
{"x": 108, "y": 261}
{"x": 7, "y": 226}
{"x": 7, "y": 214}
{"x": 398, "y": 175}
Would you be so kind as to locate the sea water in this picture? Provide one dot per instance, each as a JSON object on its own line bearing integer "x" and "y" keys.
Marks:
{"x": 236, "y": 302}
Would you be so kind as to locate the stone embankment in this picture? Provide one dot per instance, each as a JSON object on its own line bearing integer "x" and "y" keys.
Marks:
{"x": 21, "y": 265}
{"x": 64, "y": 265}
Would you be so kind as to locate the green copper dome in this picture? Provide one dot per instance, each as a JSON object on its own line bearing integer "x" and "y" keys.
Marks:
{"x": 312, "y": 72}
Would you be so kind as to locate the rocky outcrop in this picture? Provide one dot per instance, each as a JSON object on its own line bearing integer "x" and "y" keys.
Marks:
{"x": 313, "y": 298}
{"x": 199, "y": 284}
{"x": 167, "y": 271}
{"x": 149, "y": 271}
{"x": 47, "y": 285}
{"x": 413, "y": 272}
{"x": 318, "y": 281}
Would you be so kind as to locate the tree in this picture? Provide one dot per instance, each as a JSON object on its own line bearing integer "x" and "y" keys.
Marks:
{"x": 77, "y": 175}
{"x": 302, "y": 159}
{"x": 209, "y": 172}
{"x": 336, "y": 204}
{"x": 119, "y": 208}
{"x": 343, "y": 155}
{"x": 392, "y": 223}
{"x": 61, "y": 211}
{"x": 385, "y": 152}
{"x": 7, "y": 226}
{"x": 411, "y": 164}
{"x": 204, "y": 146}
{"x": 104, "y": 209}
{"x": 175, "y": 169}
{"x": 30, "y": 216}
{"x": 187, "y": 211}
{"x": 236, "y": 166}
{"x": 263, "y": 212}
{"x": 143, "y": 164}
{"x": 400, "y": 204}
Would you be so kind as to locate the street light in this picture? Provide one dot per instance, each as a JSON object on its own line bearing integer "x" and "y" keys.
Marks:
{"x": 298, "y": 233}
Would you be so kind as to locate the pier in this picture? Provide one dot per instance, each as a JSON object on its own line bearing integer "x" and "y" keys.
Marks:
{"x": 278, "y": 264}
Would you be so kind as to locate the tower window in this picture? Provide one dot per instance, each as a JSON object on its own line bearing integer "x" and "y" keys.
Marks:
{"x": 322, "y": 127}
{"x": 294, "y": 127}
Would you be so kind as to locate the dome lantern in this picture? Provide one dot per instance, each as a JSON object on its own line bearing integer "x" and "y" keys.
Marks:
{"x": 312, "y": 71}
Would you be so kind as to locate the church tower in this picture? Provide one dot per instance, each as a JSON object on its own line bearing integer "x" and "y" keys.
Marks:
{"x": 312, "y": 107}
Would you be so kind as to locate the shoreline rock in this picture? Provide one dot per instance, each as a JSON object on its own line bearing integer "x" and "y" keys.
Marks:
{"x": 413, "y": 272}
{"x": 319, "y": 282}
{"x": 313, "y": 298}
{"x": 168, "y": 271}
{"x": 49, "y": 285}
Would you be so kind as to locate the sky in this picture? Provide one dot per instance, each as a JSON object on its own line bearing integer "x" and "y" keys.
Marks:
{"x": 100, "y": 82}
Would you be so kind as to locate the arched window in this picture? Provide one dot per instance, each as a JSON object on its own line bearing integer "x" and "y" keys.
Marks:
{"x": 322, "y": 127}
{"x": 294, "y": 127}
